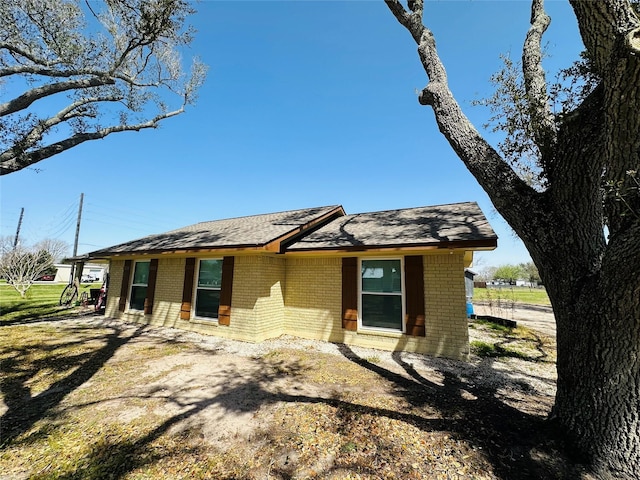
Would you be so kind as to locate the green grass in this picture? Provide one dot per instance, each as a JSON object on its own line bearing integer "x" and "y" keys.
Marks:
{"x": 494, "y": 326}
{"x": 40, "y": 301}
{"x": 531, "y": 296}
{"x": 494, "y": 350}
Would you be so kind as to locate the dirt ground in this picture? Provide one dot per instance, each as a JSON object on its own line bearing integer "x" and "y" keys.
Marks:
{"x": 150, "y": 402}
{"x": 536, "y": 317}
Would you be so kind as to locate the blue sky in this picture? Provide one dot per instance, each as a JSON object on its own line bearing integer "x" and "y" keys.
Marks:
{"x": 305, "y": 104}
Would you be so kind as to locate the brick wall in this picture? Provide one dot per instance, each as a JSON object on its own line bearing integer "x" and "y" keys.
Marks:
{"x": 168, "y": 295}
{"x": 167, "y": 299}
{"x": 257, "y": 306}
{"x": 301, "y": 296}
{"x": 447, "y": 330}
{"x": 313, "y": 298}
{"x": 313, "y": 305}
{"x": 115, "y": 284}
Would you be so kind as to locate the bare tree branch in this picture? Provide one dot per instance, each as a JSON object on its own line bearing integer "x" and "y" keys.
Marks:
{"x": 21, "y": 267}
{"x": 131, "y": 57}
{"x": 12, "y": 163}
{"x": 27, "y": 98}
{"x": 45, "y": 72}
{"x": 32, "y": 138}
{"x": 21, "y": 52}
{"x": 540, "y": 114}
{"x": 503, "y": 185}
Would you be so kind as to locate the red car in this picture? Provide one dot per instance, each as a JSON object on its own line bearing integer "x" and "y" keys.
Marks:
{"x": 45, "y": 278}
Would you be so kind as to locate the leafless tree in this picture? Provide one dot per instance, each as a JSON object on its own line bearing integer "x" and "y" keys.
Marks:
{"x": 58, "y": 249}
{"x": 21, "y": 266}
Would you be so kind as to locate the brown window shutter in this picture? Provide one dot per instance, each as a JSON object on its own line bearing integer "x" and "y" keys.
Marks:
{"x": 151, "y": 286}
{"x": 187, "y": 289}
{"x": 224, "y": 311}
{"x": 414, "y": 294}
{"x": 124, "y": 288}
{"x": 350, "y": 293}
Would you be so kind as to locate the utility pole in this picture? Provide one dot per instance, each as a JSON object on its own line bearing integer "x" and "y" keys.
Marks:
{"x": 15, "y": 242}
{"x": 75, "y": 242}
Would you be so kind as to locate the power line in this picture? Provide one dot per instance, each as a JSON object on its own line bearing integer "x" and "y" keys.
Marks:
{"x": 62, "y": 229}
{"x": 124, "y": 227}
{"x": 124, "y": 221}
{"x": 146, "y": 214}
{"x": 57, "y": 226}
{"x": 68, "y": 212}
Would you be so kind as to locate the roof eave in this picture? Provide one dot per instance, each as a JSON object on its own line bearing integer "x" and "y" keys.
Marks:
{"x": 482, "y": 244}
{"x": 178, "y": 251}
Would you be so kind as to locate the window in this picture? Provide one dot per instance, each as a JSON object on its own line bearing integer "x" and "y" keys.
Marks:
{"x": 139, "y": 285}
{"x": 381, "y": 298}
{"x": 208, "y": 288}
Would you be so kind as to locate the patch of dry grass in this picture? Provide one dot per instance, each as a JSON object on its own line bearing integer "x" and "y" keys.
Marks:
{"x": 315, "y": 415}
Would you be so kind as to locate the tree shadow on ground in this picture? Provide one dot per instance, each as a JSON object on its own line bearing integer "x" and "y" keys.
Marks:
{"x": 118, "y": 459}
{"x": 23, "y": 408}
{"x": 48, "y": 313}
{"x": 517, "y": 444}
{"x": 506, "y": 435}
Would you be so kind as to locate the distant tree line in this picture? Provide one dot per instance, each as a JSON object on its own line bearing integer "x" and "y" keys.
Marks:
{"x": 510, "y": 273}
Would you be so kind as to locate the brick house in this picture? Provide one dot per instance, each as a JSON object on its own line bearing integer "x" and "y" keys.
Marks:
{"x": 392, "y": 280}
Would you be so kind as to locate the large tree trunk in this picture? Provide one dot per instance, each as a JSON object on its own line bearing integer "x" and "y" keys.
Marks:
{"x": 598, "y": 337}
{"x": 598, "y": 397}
{"x": 593, "y": 284}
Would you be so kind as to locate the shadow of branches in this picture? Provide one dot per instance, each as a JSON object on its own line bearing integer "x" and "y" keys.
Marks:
{"x": 472, "y": 410}
{"x": 213, "y": 386}
{"x": 23, "y": 408}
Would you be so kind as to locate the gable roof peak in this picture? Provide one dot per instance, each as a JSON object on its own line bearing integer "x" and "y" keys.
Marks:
{"x": 261, "y": 232}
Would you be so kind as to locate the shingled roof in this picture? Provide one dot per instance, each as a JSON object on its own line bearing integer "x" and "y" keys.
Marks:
{"x": 263, "y": 232}
{"x": 458, "y": 225}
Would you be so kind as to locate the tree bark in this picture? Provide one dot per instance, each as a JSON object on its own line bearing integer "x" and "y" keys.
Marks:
{"x": 593, "y": 285}
{"x": 598, "y": 339}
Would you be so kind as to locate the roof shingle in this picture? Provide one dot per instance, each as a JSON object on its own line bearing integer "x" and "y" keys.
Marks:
{"x": 439, "y": 225}
{"x": 241, "y": 232}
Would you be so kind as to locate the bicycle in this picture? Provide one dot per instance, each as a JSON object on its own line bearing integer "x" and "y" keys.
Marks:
{"x": 69, "y": 294}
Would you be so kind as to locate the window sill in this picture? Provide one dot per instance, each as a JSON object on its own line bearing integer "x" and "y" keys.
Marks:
{"x": 379, "y": 332}
{"x": 205, "y": 321}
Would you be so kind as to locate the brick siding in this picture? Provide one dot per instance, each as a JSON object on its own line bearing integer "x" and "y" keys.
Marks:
{"x": 313, "y": 298}
{"x": 301, "y": 296}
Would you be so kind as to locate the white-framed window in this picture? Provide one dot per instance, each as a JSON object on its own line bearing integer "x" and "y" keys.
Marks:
{"x": 139, "y": 285}
{"x": 207, "y": 291}
{"x": 381, "y": 299}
